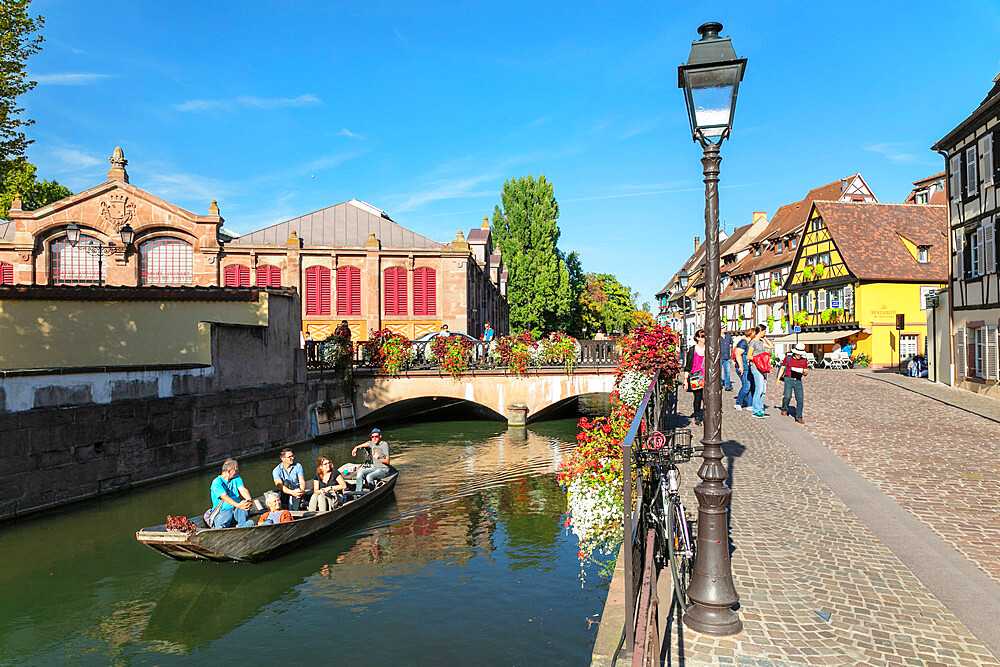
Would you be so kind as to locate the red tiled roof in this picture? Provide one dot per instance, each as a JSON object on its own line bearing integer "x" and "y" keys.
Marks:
{"x": 868, "y": 238}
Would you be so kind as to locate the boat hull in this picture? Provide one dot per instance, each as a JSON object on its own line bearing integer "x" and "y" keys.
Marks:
{"x": 257, "y": 543}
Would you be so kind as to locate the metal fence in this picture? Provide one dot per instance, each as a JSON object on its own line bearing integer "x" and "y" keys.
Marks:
{"x": 321, "y": 355}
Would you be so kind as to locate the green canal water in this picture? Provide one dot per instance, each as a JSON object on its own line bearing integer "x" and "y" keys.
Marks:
{"x": 468, "y": 563}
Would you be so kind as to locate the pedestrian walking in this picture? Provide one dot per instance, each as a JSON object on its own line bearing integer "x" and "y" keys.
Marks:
{"x": 742, "y": 361}
{"x": 759, "y": 376}
{"x": 793, "y": 368}
{"x": 727, "y": 360}
{"x": 694, "y": 372}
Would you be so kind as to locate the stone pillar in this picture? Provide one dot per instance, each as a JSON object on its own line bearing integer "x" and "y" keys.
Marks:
{"x": 517, "y": 415}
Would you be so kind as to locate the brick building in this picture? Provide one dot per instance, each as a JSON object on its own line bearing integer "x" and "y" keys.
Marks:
{"x": 349, "y": 261}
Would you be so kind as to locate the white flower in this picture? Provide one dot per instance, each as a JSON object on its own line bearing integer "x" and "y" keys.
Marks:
{"x": 632, "y": 387}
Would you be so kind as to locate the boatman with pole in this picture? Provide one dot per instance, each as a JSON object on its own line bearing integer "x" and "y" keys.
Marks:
{"x": 379, "y": 467}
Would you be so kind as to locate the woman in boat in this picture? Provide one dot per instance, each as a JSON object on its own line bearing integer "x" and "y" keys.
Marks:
{"x": 274, "y": 512}
{"x": 326, "y": 486}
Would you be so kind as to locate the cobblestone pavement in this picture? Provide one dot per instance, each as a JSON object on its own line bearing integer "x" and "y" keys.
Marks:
{"x": 984, "y": 406}
{"x": 939, "y": 463}
{"x": 800, "y": 552}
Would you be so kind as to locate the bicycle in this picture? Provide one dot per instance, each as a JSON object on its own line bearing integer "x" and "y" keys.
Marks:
{"x": 666, "y": 509}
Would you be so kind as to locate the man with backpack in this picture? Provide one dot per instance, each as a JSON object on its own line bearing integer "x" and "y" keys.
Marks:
{"x": 793, "y": 368}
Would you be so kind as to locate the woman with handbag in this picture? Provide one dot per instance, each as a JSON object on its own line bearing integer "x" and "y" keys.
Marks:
{"x": 694, "y": 372}
{"x": 760, "y": 364}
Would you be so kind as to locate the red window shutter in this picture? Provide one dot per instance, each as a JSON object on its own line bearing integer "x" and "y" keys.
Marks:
{"x": 6, "y": 273}
{"x": 276, "y": 277}
{"x": 324, "y": 290}
{"x": 430, "y": 290}
{"x": 401, "y": 290}
{"x": 390, "y": 292}
{"x": 312, "y": 290}
{"x": 244, "y": 276}
{"x": 263, "y": 275}
{"x": 355, "y": 291}
{"x": 343, "y": 298}
{"x": 419, "y": 304}
{"x": 231, "y": 276}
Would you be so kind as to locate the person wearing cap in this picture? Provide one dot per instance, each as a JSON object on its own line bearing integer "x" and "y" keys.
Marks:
{"x": 793, "y": 368}
{"x": 379, "y": 467}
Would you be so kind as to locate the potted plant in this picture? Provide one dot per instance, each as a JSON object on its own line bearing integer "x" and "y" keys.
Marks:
{"x": 800, "y": 318}
{"x": 774, "y": 286}
{"x": 807, "y": 273}
{"x": 819, "y": 270}
{"x": 770, "y": 323}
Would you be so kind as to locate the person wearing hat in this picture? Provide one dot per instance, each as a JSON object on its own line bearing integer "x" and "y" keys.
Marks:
{"x": 793, "y": 368}
{"x": 379, "y": 466}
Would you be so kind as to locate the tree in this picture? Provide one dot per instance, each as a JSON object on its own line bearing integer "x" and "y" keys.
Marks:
{"x": 577, "y": 284}
{"x": 606, "y": 304}
{"x": 18, "y": 42}
{"x": 525, "y": 230}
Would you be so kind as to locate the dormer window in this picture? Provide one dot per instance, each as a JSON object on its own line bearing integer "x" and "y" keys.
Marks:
{"x": 779, "y": 247}
{"x": 920, "y": 198}
{"x": 923, "y": 253}
{"x": 793, "y": 243}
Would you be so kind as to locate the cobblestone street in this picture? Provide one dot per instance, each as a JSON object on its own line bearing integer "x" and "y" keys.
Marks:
{"x": 801, "y": 553}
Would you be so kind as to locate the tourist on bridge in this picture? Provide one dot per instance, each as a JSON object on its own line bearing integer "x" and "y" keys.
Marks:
{"x": 487, "y": 333}
{"x": 290, "y": 479}
{"x": 274, "y": 512}
{"x": 379, "y": 466}
{"x": 227, "y": 508}
{"x": 793, "y": 368}
{"x": 326, "y": 484}
{"x": 444, "y": 331}
{"x": 694, "y": 372}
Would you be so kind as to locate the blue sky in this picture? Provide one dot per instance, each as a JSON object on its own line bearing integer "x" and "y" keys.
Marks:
{"x": 424, "y": 109}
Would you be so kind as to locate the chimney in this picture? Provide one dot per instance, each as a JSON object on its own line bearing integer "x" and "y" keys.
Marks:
{"x": 697, "y": 243}
{"x": 759, "y": 215}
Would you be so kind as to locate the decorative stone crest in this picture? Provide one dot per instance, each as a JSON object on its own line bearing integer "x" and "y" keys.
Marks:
{"x": 117, "y": 211}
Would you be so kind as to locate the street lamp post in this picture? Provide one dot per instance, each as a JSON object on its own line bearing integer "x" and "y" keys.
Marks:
{"x": 127, "y": 234}
{"x": 710, "y": 80}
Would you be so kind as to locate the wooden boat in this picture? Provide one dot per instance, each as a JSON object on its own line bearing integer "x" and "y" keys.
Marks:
{"x": 256, "y": 543}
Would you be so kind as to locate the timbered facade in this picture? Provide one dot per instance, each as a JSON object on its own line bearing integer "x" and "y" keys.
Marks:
{"x": 973, "y": 172}
{"x": 860, "y": 265}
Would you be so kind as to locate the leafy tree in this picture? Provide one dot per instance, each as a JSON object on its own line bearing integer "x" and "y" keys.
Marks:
{"x": 577, "y": 284}
{"x": 19, "y": 178}
{"x": 606, "y": 304}
{"x": 19, "y": 41}
{"x": 525, "y": 230}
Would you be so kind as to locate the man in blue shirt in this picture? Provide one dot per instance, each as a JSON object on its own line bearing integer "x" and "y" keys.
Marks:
{"x": 290, "y": 479}
{"x": 727, "y": 359}
{"x": 227, "y": 489}
{"x": 487, "y": 333}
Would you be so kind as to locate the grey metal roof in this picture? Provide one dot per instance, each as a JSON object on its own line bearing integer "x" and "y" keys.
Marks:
{"x": 343, "y": 225}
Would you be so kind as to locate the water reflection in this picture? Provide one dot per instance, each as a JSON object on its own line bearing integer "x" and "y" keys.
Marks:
{"x": 473, "y": 532}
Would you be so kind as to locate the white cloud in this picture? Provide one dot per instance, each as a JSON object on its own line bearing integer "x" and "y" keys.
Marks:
{"x": 893, "y": 152}
{"x": 249, "y": 102}
{"x": 75, "y": 159}
{"x": 347, "y": 133}
{"x": 178, "y": 186}
{"x": 67, "y": 79}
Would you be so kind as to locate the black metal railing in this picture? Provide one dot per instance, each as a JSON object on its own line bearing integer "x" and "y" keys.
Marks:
{"x": 322, "y": 355}
{"x": 658, "y": 410}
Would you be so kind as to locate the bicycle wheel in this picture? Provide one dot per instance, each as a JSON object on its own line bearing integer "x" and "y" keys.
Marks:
{"x": 680, "y": 550}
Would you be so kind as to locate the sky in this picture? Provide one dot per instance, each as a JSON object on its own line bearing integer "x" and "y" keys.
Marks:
{"x": 425, "y": 109}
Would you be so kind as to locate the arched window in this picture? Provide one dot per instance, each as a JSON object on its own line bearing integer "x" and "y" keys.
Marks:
{"x": 395, "y": 291}
{"x": 424, "y": 291}
{"x": 72, "y": 265}
{"x": 166, "y": 261}
{"x": 348, "y": 290}
{"x": 317, "y": 290}
{"x": 6, "y": 273}
{"x": 268, "y": 276}
{"x": 236, "y": 275}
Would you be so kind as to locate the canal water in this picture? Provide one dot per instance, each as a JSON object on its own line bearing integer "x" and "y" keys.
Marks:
{"x": 468, "y": 563}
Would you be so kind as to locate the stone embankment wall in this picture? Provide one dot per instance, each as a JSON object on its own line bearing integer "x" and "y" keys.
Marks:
{"x": 73, "y": 433}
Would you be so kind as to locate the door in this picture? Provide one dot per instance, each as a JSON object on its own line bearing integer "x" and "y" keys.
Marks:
{"x": 908, "y": 346}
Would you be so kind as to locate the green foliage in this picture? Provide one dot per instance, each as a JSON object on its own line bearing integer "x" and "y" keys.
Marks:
{"x": 770, "y": 323}
{"x": 861, "y": 359}
{"x": 18, "y": 42}
{"x": 800, "y": 318}
{"x": 19, "y": 178}
{"x": 539, "y": 289}
{"x": 577, "y": 284}
{"x": 608, "y": 305}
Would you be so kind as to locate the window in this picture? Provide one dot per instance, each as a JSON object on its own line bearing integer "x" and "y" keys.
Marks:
{"x": 811, "y": 302}
{"x": 821, "y": 299}
{"x": 960, "y": 253}
{"x": 166, "y": 261}
{"x": 815, "y": 224}
{"x": 424, "y": 291}
{"x": 989, "y": 259}
{"x": 974, "y": 252}
{"x": 908, "y": 346}
{"x": 779, "y": 247}
{"x": 395, "y": 291}
{"x": 978, "y": 359}
{"x": 236, "y": 275}
{"x": 986, "y": 154}
{"x": 955, "y": 176}
{"x": 348, "y": 290}
{"x": 971, "y": 175}
{"x": 72, "y": 265}
{"x": 920, "y": 198}
{"x": 793, "y": 244}
{"x": 268, "y": 276}
{"x": 922, "y": 254}
{"x": 795, "y": 303}
{"x": 6, "y": 273}
{"x": 317, "y": 290}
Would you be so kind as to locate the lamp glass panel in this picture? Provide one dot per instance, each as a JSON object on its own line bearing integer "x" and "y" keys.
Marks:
{"x": 712, "y": 98}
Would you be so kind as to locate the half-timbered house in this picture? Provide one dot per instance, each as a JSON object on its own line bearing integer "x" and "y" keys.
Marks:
{"x": 860, "y": 265}
{"x": 974, "y": 291}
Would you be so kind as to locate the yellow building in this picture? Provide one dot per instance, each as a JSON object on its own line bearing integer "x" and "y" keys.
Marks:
{"x": 858, "y": 267}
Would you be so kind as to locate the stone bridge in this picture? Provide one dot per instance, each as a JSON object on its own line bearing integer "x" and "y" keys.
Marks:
{"x": 497, "y": 394}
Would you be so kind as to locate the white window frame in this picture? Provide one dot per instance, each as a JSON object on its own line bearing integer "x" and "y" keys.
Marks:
{"x": 960, "y": 253}
{"x": 795, "y": 302}
{"x": 971, "y": 171}
{"x": 961, "y": 364}
{"x": 923, "y": 255}
{"x": 989, "y": 248}
{"x": 986, "y": 154}
{"x": 811, "y": 302}
{"x": 955, "y": 177}
{"x": 974, "y": 253}
{"x": 821, "y": 300}
{"x": 979, "y": 350}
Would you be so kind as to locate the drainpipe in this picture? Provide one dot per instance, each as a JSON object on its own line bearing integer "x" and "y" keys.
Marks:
{"x": 951, "y": 285}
